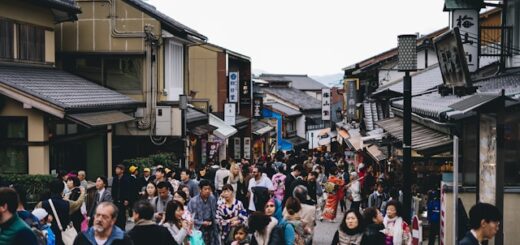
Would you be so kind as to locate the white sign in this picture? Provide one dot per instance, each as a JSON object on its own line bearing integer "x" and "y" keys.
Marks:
{"x": 325, "y": 104}
{"x": 229, "y": 113}
{"x": 467, "y": 20}
{"x": 247, "y": 147}
{"x": 237, "y": 147}
{"x": 233, "y": 87}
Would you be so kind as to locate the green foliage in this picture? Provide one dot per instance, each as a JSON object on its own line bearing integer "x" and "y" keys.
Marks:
{"x": 168, "y": 160}
{"x": 34, "y": 185}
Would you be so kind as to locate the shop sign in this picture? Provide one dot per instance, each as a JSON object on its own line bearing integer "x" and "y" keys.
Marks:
{"x": 467, "y": 20}
{"x": 452, "y": 61}
{"x": 350, "y": 89}
{"x": 212, "y": 149}
{"x": 245, "y": 92}
{"x": 247, "y": 147}
{"x": 204, "y": 156}
{"x": 230, "y": 113}
{"x": 325, "y": 104}
{"x": 258, "y": 104}
{"x": 236, "y": 144}
{"x": 233, "y": 87}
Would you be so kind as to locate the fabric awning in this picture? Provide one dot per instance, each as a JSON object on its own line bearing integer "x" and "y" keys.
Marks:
{"x": 423, "y": 139}
{"x": 101, "y": 118}
{"x": 223, "y": 130}
{"x": 202, "y": 129}
{"x": 375, "y": 153}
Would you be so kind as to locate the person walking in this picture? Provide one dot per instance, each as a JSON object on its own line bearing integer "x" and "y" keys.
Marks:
{"x": 13, "y": 230}
{"x": 104, "y": 230}
{"x": 259, "y": 189}
{"x": 203, "y": 208}
{"x": 350, "y": 231}
{"x": 146, "y": 231}
{"x": 335, "y": 191}
{"x": 102, "y": 195}
{"x": 484, "y": 221}
{"x": 82, "y": 176}
{"x": 263, "y": 227}
{"x": 434, "y": 213}
{"x": 220, "y": 175}
{"x": 160, "y": 201}
{"x": 397, "y": 231}
{"x": 378, "y": 198}
{"x": 284, "y": 233}
{"x": 230, "y": 213}
{"x": 236, "y": 179}
{"x": 295, "y": 173}
{"x": 178, "y": 227}
{"x": 354, "y": 190}
{"x": 73, "y": 183}
{"x": 373, "y": 221}
{"x": 121, "y": 194}
{"x": 190, "y": 183}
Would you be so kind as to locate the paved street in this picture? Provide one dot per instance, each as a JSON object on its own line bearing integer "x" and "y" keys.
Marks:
{"x": 324, "y": 231}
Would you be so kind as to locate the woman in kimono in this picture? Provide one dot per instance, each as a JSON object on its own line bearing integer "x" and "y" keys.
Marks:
{"x": 335, "y": 190}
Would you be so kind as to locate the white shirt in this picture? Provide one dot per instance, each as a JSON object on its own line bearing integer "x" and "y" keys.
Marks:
{"x": 101, "y": 193}
{"x": 220, "y": 175}
{"x": 263, "y": 182}
{"x": 100, "y": 242}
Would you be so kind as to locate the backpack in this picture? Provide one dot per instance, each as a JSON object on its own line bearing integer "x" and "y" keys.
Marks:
{"x": 41, "y": 238}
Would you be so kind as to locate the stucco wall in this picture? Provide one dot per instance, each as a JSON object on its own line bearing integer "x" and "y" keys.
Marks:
{"x": 203, "y": 74}
{"x": 37, "y": 132}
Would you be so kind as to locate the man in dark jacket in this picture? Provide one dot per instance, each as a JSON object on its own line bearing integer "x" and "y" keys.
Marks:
{"x": 484, "y": 221}
{"x": 13, "y": 230}
{"x": 295, "y": 173}
{"x": 64, "y": 208}
{"x": 121, "y": 194}
{"x": 104, "y": 230}
{"x": 102, "y": 195}
{"x": 145, "y": 230}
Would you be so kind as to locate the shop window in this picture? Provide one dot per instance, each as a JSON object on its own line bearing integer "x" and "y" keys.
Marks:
{"x": 123, "y": 73}
{"x": 13, "y": 145}
{"x": 31, "y": 43}
{"x": 6, "y": 39}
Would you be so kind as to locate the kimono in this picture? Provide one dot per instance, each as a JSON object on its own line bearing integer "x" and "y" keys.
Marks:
{"x": 205, "y": 211}
{"x": 225, "y": 214}
{"x": 333, "y": 197}
{"x": 279, "y": 185}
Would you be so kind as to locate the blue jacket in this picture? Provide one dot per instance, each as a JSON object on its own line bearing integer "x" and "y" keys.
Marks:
{"x": 434, "y": 209}
{"x": 288, "y": 229}
{"x": 117, "y": 237}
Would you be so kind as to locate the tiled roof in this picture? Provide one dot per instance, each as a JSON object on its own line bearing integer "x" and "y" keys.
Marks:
{"x": 421, "y": 81}
{"x": 301, "y": 82}
{"x": 432, "y": 104}
{"x": 193, "y": 115}
{"x": 295, "y": 96}
{"x": 288, "y": 111}
{"x": 510, "y": 82}
{"x": 65, "y": 5}
{"x": 165, "y": 19}
{"x": 65, "y": 90}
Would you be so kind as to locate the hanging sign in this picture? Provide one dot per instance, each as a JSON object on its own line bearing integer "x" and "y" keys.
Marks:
{"x": 258, "y": 104}
{"x": 247, "y": 148}
{"x": 350, "y": 93}
{"x": 452, "y": 60}
{"x": 233, "y": 87}
{"x": 325, "y": 104}
{"x": 245, "y": 92}
{"x": 467, "y": 20}
{"x": 237, "y": 148}
{"x": 229, "y": 113}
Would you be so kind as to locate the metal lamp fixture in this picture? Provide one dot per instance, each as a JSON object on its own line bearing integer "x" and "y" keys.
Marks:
{"x": 407, "y": 53}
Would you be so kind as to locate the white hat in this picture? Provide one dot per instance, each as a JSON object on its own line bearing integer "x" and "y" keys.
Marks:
{"x": 40, "y": 213}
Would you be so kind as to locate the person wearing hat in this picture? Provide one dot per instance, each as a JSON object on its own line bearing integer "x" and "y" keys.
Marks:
{"x": 144, "y": 180}
{"x": 44, "y": 224}
{"x": 133, "y": 171}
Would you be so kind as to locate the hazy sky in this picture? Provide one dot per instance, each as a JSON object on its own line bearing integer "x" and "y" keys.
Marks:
{"x": 305, "y": 36}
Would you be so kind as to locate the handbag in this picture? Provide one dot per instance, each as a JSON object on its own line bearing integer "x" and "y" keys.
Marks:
{"x": 196, "y": 238}
{"x": 69, "y": 234}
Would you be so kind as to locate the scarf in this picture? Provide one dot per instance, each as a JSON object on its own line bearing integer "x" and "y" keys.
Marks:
{"x": 263, "y": 238}
{"x": 345, "y": 238}
{"x": 396, "y": 229}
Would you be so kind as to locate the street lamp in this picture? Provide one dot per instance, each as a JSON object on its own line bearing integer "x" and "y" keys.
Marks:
{"x": 183, "y": 105}
{"x": 407, "y": 61}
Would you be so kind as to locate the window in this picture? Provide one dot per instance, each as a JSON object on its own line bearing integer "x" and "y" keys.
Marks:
{"x": 174, "y": 72}
{"x": 6, "y": 39}
{"x": 13, "y": 145}
{"x": 31, "y": 43}
{"x": 123, "y": 73}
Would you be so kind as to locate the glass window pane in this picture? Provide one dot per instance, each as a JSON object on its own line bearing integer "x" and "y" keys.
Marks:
{"x": 13, "y": 160}
{"x": 124, "y": 73}
{"x": 88, "y": 67}
{"x": 16, "y": 130}
{"x": 6, "y": 39}
{"x": 31, "y": 41}
{"x": 72, "y": 128}
{"x": 60, "y": 129}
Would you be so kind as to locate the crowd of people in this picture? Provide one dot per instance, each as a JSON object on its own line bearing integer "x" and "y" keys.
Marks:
{"x": 276, "y": 199}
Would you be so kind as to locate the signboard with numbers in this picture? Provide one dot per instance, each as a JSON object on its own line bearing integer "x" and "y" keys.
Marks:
{"x": 325, "y": 104}
{"x": 230, "y": 113}
{"x": 467, "y": 20}
{"x": 247, "y": 147}
{"x": 236, "y": 144}
{"x": 233, "y": 86}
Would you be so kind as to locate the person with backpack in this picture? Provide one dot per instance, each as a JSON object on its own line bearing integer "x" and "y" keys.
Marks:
{"x": 302, "y": 231}
{"x": 263, "y": 227}
{"x": 43, "y": 229}
{"x": 283, "y": 233}
{"x": 279, "y": 185}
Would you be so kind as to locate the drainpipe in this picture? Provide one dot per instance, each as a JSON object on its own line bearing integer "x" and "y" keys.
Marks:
{"x": 151, "y": 42}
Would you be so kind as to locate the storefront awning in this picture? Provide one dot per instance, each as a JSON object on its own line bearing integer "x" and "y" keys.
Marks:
{"x": 101, "y": 118}
{"x": 193, "y": 115}
{"x": 327, "y": 137}
{"x": 202, "y": 129}
{"x": 354, "y": 140}
{"x": 223, "y": 130}
{"x": 423, "y": 139}
{"x": 375, "y": 153}
{"x": 260, "y": 128}
{"x": 293, "y": 142}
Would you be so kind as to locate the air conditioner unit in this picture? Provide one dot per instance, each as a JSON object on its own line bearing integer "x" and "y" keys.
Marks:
{"x": 163, "y": 121}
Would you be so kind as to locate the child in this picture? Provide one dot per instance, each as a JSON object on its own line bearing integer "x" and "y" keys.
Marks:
{"x": 45, "y": 225}
{"x": 240, "y": 235}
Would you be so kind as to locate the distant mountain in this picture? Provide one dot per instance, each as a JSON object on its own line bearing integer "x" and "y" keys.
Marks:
{"x": 257, "y": 72}
{"x": 330, "y": 80}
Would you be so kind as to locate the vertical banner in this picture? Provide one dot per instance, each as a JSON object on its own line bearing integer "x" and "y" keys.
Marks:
{"x": 230, "y": 113}
{"x": 237, "y": 147}
{"x": 325, "y": 104}
{"x": 351, "y": 97}
{"x": 245, "y": 92}
{"x": 204, "y": 156}
{"x": 247, "y": 148}
{"x": 258, "y": 104}
{"x": 233, "y": 87}
{"x": 467, "y": 20}
{"x": 488, "y": 159}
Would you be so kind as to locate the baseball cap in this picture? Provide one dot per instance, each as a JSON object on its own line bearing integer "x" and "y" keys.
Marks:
{"x": 132, "y": 169}
{"x": 40, "y": 213}
{"x": 146, "y": 170}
